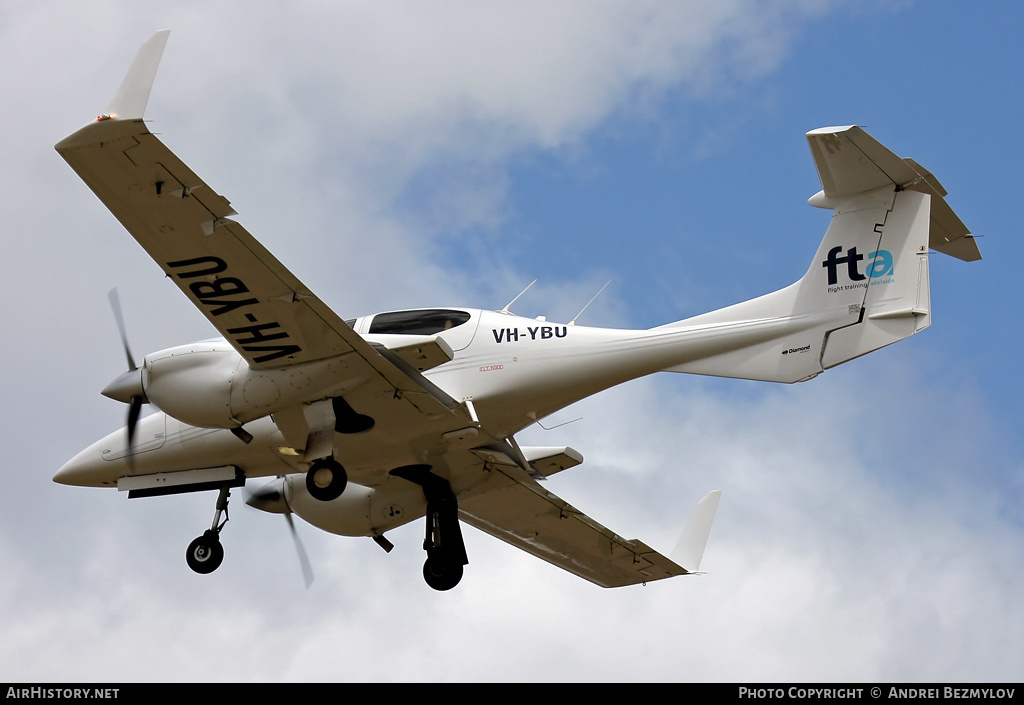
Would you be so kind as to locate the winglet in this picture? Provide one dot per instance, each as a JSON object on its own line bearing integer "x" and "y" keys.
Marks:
{"x": 130, "y": 101}
{"x": 690, "y": 548}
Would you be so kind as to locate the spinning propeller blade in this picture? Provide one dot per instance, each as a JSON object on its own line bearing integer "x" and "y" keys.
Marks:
{"x": 115, "y": 305}
{"x": 270, "y": 498}
{"x": 127, "y": 387}
{"x": 307, "y": 568}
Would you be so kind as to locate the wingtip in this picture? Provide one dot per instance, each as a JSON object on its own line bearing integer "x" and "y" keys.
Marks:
{"x": 689, "y": 549}
{"x": 129, "y": 103}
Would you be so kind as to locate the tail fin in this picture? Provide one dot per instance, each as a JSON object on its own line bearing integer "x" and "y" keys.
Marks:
{"x": 854, "y": 168}
{"x": 867, "y": 285}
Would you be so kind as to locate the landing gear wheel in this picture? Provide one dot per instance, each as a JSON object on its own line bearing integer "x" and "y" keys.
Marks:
{"x": 442, "y": 575}
{"x": 446, "y": 551}
{"x": 204, "y": 555}
{"x": 326, "y": 480}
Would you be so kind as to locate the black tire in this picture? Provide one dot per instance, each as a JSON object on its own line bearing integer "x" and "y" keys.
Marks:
{"x": 205, "y": 554}
{"x": 326, "y": 480}
{"x": 442, "y": 575}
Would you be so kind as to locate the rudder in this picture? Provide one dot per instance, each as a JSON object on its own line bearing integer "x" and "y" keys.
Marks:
{"x": 893, "y": 284}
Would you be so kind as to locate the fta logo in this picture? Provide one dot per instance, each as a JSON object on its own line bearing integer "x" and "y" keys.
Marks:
{"x": 880, "y": 264}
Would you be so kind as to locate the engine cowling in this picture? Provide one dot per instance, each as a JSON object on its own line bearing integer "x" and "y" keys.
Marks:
{"x": 193, "y": 383}
{"x": 208, "y": 384}
{"x": 359, "y": 511}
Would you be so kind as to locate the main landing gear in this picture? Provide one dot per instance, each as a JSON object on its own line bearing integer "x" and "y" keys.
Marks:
{"x": 326, "y": 479}
{"x": 205, "y": 554}
{"x": 446, "y": 551}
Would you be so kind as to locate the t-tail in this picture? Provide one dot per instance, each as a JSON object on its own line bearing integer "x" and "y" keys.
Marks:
{"x": 867, "y": 285}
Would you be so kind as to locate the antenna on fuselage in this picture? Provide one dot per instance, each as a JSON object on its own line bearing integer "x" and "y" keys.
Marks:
{"x": 573, "y": 321}
{"x": 509, "y": 304}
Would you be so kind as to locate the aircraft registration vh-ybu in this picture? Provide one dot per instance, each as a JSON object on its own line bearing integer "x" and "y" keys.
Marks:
{"x": 369, "y": 423}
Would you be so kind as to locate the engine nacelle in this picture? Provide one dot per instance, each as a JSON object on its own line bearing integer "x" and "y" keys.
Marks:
{"x": 208, "y": 384}
{"x": 193, "y": 383}
{"x": 359, "y": 511}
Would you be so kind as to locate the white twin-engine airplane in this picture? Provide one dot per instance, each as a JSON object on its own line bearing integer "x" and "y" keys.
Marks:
{"x": 370, "y": 423}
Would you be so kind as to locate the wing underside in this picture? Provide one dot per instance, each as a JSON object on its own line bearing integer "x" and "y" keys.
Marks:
{"x": 186, "y": 227}
{"x": 254, "y": 301}
{"x": 263, "y": 310}
{"x": 520, "y": 511}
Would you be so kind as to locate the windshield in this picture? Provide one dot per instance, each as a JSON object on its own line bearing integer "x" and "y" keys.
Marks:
{"x": 422, "y": 322}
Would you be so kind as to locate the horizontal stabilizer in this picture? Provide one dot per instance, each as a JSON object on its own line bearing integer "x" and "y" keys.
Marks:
{"x": 852, "y": 162}
{"x": 543, "y": 460}
{"x": 690, "y": 548}
{"x": 947, "y": 233}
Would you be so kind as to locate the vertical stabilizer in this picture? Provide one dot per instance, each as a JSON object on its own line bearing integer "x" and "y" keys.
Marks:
{"x": 890, "y": 280}
{"x": 867, "y": 285}
{"x": 894, "y": 284}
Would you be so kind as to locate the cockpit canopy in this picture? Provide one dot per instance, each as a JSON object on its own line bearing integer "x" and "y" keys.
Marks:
{"x": 429, "y": 321}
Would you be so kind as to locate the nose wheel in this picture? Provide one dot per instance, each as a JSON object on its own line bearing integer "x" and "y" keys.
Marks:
{"x": 205, "y": 554}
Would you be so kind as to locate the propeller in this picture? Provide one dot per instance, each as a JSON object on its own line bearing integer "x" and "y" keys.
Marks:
{"x": 307, "y": 568}
{"x": 270, "y": 498}
{"x": 128, "y": 387}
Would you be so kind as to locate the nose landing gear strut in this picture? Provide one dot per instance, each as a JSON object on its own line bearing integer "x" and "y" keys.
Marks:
{"x": 205, "y": 554}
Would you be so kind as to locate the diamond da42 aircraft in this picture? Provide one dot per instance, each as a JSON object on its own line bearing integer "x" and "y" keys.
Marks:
{"x": 366, "y": 424}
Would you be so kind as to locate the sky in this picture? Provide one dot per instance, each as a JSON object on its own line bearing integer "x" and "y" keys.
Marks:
{"x": 410, "y": 154}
